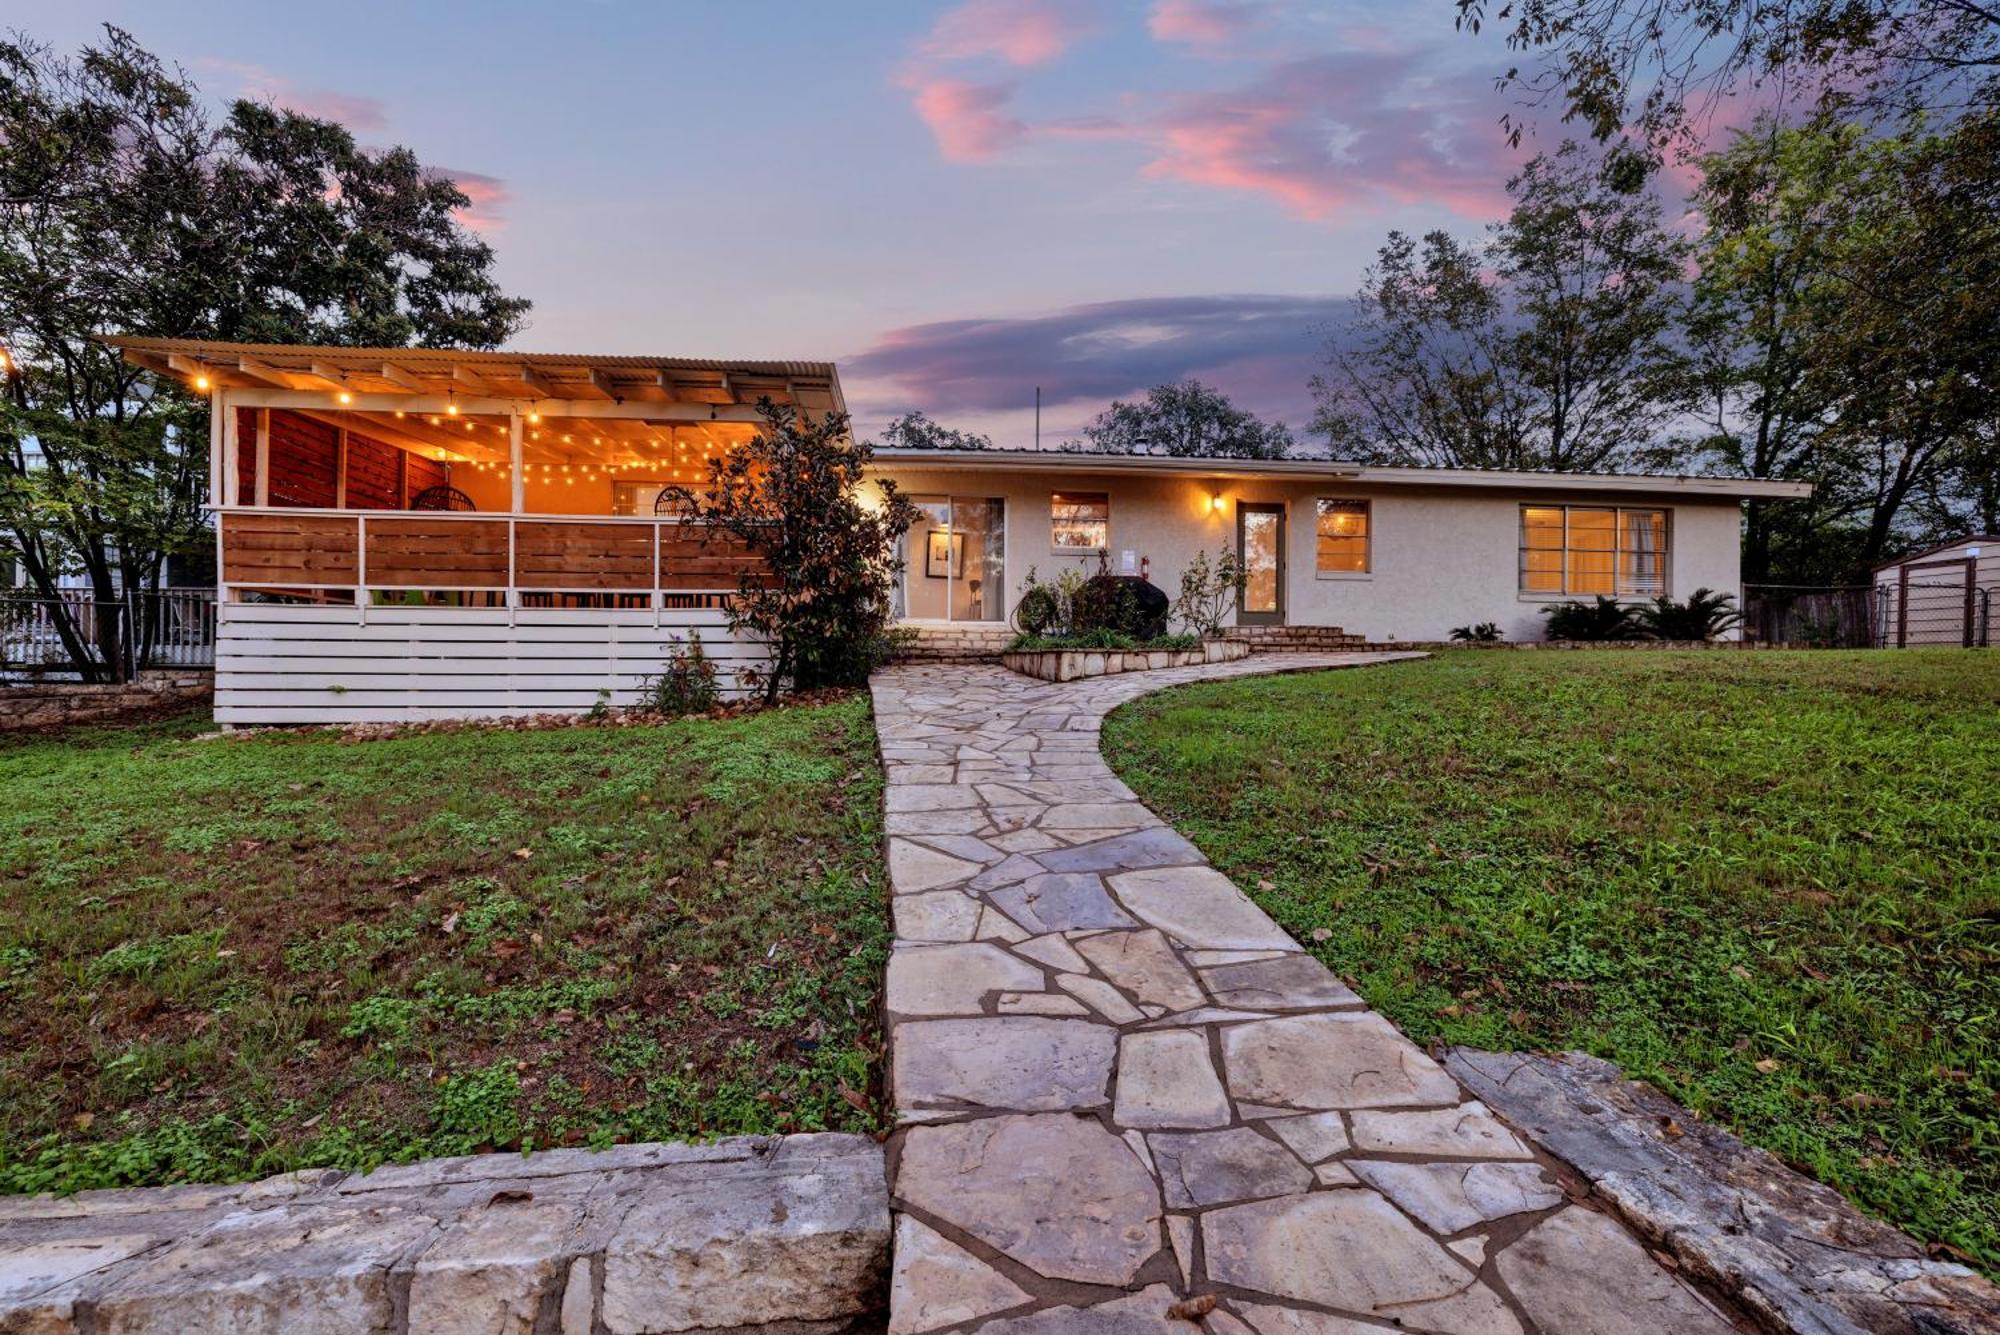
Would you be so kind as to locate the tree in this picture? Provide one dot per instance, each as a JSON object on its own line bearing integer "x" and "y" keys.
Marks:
{"x": 1769, "y": 202}
{"x": 1421, "y": 373}
{"x": 1187, "y": 420}
{"x": 1659, "y": 66}
{"x": 1550, "y": 348}
{"x": 915, "y": 430}
{"x": 124, "y": 208}
{"x": 821, "y": 596}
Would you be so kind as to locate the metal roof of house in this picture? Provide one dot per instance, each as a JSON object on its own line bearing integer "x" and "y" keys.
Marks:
{"x": 516, "y": 375}
{"x": 1068, "y": 461}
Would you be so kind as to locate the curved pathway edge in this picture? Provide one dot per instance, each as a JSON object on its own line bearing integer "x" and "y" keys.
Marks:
{"x": 1126, "y": 1098}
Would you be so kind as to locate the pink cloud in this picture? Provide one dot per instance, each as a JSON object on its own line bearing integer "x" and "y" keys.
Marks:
{"x": 1020, "y": 32}
{"x": 1326, "y": 133}
{"x": 489, "y": 196}
{"x": 969, "y": 120}
{"x": 261, "y": 85}
{"x": 1203, "y": 22}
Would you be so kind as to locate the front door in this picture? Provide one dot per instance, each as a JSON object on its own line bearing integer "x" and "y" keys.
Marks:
{"x": 1260, "y": 546}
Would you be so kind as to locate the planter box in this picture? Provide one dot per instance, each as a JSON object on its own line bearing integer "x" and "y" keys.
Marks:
{"x": 1070, "y": 664}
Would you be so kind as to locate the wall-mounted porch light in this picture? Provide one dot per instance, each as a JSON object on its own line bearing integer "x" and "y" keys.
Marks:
{"x": 1215, "y": 501}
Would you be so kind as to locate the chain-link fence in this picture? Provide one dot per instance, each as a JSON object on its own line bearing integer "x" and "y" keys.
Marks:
{"x": 1936, "y": 608}
{"x": 115, "y": 638}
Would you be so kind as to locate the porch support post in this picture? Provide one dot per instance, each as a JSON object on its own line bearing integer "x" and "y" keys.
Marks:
{"x": 517, "y": 488}
{"x": 217, "y": 446}
{"x": 263, "y": 456}
{"x": 517, "y": 476}
{"x": 232, "y": 454}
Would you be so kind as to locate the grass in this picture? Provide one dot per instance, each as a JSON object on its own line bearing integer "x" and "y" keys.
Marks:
{"x": 223, "y": 959}
{"x": 1767, "y": 882}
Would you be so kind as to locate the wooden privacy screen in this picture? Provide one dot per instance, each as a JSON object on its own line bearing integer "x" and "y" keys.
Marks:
{"x": 289, "y": 549}
{"x": 583, "y": 556}
{"x": 305, "y": 465}
{"x": 434, "y": 552}
{"x": 437, "y": 553}
{"x": 695, "y": 558}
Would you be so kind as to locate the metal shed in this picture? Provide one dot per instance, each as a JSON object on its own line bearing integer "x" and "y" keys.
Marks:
{"x": 1943, "y": 595}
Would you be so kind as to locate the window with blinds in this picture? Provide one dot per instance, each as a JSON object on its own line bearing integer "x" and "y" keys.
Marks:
{"x": 1341, "y": 541}
{"x": 1578, "y": 549}
{"x": 1079, "y": 520}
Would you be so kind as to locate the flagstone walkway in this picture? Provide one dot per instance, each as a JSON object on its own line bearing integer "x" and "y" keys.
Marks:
{"x": 1120, "y": 1086}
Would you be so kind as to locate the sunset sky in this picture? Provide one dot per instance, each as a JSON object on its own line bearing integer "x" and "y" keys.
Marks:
{"x": 955, "y": 202}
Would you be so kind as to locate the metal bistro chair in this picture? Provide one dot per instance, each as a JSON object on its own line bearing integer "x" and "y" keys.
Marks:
{"x": 441, "y": 498}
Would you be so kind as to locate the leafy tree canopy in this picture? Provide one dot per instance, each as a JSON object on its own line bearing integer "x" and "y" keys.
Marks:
{"x": 1549, "y": 346}
{"x": 1189, "y": 420}
{"x": 915, "y": 430}
{"x": 1660, "y": 66}
{"x": 126, "y": 208}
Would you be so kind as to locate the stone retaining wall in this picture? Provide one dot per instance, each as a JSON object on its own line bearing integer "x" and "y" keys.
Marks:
{"x": 1070, "y": 664}
{"x": 752, "y": 1234}
{"x": 952, "y": 644}
{"x": 1295, "y": 639}
{"x": 56, "y": 704}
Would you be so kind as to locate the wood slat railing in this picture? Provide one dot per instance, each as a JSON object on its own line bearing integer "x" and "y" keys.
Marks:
{"x": 307, "y": 550}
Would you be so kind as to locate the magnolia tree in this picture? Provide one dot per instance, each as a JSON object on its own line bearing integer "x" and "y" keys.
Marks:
{"x": 821, "y": 596}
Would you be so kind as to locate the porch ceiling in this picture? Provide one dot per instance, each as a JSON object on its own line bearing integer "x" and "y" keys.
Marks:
{"x": 521, "y": 376}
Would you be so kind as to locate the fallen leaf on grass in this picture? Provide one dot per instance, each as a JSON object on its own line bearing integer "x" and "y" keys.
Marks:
{"x": 857, "y": 1101}
{"x": 1767, "y": 1065}
{"x": 524, "y": 853}
{"x": 1322, "y": 934}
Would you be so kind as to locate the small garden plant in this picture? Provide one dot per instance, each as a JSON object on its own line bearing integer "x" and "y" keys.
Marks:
{"x": 1209, "y": 588}
{"x": 687, "y": 685}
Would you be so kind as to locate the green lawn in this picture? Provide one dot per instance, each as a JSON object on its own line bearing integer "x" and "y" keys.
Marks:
{"x": 1767, "y": 882}
{"x": 221, "y": 959}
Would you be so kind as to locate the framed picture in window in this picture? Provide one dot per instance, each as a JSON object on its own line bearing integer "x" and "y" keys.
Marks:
{"x": 942, "y": 552}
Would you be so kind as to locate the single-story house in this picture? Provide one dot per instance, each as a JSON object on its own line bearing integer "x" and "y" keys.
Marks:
{"x": 411, "y": 533}
{"x": 1942, "y": 595}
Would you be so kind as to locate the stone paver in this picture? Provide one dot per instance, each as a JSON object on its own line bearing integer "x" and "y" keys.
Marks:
{"x": 1121, "y": 1085}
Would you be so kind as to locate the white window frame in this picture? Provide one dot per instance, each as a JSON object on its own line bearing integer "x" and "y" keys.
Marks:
{"x": 1620, "y": 591}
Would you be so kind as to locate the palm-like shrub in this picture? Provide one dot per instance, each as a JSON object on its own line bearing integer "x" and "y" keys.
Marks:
{"x": 1605, "y": 619}
{"x": 1705, "y": 615}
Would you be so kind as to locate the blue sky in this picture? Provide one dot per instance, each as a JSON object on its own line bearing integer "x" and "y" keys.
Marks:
{"x": 957, "y": 202}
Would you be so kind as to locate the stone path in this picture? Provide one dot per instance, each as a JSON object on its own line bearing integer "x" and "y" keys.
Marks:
{"x": 1122, "y": 1087}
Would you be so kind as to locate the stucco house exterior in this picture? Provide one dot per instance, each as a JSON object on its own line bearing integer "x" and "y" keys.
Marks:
{"x": 407, "y": 533}
{"x": 1384, "y": 553}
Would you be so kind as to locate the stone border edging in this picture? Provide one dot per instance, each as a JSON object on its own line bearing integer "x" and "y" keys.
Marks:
{"x": 1792, "y": 1250}
{"x": 781, "y": 1233}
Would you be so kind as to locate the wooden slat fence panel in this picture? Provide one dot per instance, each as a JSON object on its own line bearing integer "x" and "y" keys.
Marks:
{"x": 437, "y": 553}
{"x": 284, "y": 549}
{"x": 334, "y": 664}
{"x": 557, "y": 555}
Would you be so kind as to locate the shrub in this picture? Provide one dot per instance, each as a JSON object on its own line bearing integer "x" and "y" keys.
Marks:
{"x": 1048, "y": 607}
{"x": 1207, "y": 590}
{"x": 687, "y": 685}
{"x": 820, "y": 597}
{"x": 1605, "y": 619}
{"x": 1484, "y": 632}
{"x": 1705, "y": 615}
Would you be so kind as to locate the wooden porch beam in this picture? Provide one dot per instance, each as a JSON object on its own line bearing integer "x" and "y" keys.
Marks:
{"x": 397, "y": 375}
{"x": 263, "y": 373}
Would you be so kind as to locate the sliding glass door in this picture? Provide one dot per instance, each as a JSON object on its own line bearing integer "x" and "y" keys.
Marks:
{"x": 955, "y": 560}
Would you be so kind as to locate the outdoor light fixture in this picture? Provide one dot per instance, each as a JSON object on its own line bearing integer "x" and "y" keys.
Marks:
{"x": 1215, "y": 501}
{"x": 201, "y": 383}
{"x": 344, "y": 397}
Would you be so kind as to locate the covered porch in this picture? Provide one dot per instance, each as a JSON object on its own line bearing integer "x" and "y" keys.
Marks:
{"x": 418, "y": 532}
